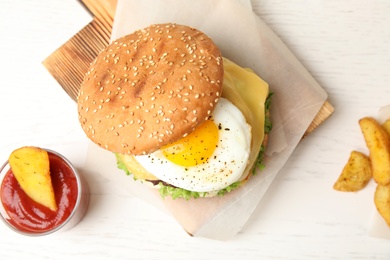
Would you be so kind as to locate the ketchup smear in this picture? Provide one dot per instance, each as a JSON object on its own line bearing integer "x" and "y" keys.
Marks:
{"x": 30, "y": 216}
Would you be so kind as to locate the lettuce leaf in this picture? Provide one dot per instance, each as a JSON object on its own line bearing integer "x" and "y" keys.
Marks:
{"x": 121, "y": 164}
{"x": 267, "y": 129}
{"x": 176, "y": 192}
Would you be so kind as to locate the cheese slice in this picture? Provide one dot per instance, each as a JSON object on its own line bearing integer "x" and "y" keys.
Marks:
{"x": 248, "y": 92}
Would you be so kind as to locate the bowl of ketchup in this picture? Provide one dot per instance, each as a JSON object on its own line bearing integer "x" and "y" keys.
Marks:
{"x": 27, "y": 217}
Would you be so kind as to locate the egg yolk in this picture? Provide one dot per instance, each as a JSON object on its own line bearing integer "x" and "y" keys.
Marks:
{"x": 195, "y": 148}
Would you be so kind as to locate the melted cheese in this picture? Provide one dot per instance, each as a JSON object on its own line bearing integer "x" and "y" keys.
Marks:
{"x": 248, "y": 92}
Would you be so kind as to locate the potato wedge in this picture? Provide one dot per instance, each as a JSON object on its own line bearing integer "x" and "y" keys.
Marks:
{"x": 382, "y": 201}
{"x": 386, "y": 126}
{"x": 31, "y": 168}
{"x": 378, "y": 143}
{"x": 356, "y": 173}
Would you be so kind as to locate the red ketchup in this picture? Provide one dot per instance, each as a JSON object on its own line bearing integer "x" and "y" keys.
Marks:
{"x": 30, "y": 216}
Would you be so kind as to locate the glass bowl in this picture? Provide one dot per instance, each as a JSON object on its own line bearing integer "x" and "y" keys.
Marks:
{"x": 27, "y": 217}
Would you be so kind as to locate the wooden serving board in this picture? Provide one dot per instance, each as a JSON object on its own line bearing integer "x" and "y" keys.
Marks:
{"x": 69, "y": 63}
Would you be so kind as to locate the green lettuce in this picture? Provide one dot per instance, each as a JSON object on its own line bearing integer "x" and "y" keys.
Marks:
{"x": 267, "y": 129}
{"x": 120, "y": 164}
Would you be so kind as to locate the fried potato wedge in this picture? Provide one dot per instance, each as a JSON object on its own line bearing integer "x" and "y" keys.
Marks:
{"x": 356, "y": 173}
{"x": 31, "y": 168}
{"x": 378, "y": 143}
{"x": 382, "y": 201}
{"x": 386, "y": 126}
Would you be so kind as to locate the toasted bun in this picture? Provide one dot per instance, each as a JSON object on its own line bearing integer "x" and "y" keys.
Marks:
{"x": 150, "y": 88}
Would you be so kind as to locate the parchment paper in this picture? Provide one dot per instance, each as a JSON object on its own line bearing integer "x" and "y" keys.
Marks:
{"x": 378, "y": 226}
{"x": 244, "y": 38}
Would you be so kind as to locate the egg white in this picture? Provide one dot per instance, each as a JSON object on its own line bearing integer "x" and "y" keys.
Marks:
{"x": 224, "y": 167}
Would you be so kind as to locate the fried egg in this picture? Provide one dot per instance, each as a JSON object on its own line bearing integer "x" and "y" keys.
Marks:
{"x": 210, "y": 158}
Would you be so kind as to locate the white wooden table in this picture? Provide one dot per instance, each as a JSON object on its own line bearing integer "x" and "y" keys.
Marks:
{"x": 344, "y": 44}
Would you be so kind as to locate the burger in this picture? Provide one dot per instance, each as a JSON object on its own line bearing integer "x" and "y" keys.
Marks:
{"x": 176, "y": 113}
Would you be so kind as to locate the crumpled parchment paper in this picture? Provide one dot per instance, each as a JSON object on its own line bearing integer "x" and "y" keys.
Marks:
{"x": 245, "y": 39}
